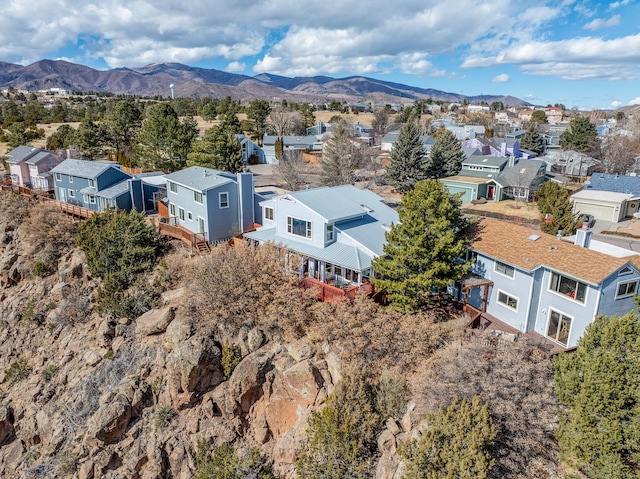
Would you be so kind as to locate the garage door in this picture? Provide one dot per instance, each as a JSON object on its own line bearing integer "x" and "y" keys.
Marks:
{"x": 466, "y": 192}
{"x": 599, "y": 212}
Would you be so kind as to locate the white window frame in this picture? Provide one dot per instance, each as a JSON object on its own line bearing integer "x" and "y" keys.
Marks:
{"x": 72, "y": 193}
{"x": 181, "y": 213}
{"x": 92, "y": 200}
{"x": 173, "y": 187}
{"x": 504, "y": 273}
{"x": 568, "y": 296}
{"x": 172, "y": 209}
{"x": 546, "y": 334}
{"x": 509, "y": 296}
{"x": 330, "y": 232}
{"x": 268, "y": 213}
{"x": 196, "y": 195}
{"x": 223, "y": 204}
{"x": 92, "y": 183}
{"x": 625, "y": 270}
{"x": 70, "y": 179}
{"x": 308, "y": 229}
{"x": 189, "y": 215}
{"x": 627, "y": 294}
{"x": 58, "y": 177}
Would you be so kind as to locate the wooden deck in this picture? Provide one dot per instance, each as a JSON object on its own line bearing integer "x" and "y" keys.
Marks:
{"x": 332, "y": 293}
{"x": 68, "y": 208}
{"x": 196, "y": 241}
{"x": 26, "y": 191}
{"x": 500, "y": 333}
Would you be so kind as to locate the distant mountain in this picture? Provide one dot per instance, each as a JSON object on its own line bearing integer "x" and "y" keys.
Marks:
{"x": 154, "y": 79}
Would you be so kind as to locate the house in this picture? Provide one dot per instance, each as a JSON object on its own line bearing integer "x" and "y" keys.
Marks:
{"x": 496, "y": 178}
{"x": 605, "y": 205}
{"x": 535, "y": 282}
{"x": 304, "y": 143}
{"x": 30, "y": 167}
{"x": 216, "y": 203}
{"x": 338, "y": 230}
{"x": 570, "y": 163}
{"x": 97, "y": 185}
{"x": 251, "y": 152}
{"x": 390, "y": 139}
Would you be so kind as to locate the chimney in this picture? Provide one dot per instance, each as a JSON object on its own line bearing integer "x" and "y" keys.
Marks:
{"x": 583, "y": 236}
{"x": 512, "y": 161}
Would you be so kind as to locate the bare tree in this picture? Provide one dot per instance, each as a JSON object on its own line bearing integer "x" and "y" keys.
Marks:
{"x": 620, "y": 153}
{"x": 342, "y": 155}
{"x": 292, "y": 170}
{"x": 282, "y": 122}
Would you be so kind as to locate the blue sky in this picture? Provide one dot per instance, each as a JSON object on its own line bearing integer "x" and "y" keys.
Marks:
{"x": 583, "y": 54}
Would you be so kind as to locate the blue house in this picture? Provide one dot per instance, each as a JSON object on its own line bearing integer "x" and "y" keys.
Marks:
{"x": 97, "y": 185}
{"x": 216, "y": 203}
{"x": 539, "y": 283}
{"x": 337, "y": 230}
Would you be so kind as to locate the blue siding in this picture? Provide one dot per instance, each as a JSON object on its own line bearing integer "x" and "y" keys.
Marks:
{"x": 609, "y": 305}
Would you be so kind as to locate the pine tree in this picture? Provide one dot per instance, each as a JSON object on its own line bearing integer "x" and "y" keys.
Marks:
{"x": 598, "y": 383}
{"x": 556, "y": 209}
{"x": 424, "y": 249}
{"x": 446, "y": 156}
{"x": 580, "y": 136}
{"x": 407, "y": 162}
{"x": 532, "y": 140}
{"x": 456, "y": 445}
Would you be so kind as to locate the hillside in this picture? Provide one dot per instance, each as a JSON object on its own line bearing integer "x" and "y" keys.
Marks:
{"x": 231, "y": 352}
{"x": 154, "y": 79}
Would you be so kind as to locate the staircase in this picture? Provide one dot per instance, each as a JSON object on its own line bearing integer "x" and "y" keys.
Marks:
{"x": 202, "y": 247}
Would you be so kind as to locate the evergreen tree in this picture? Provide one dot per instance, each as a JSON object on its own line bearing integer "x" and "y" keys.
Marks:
{"x": 407, "y": 162}
{"x": 279, "y": 148}
{"x": 424, "y": 249}
{"x": 532, "y": 140}
{"x": 539, "y": 116}
{"x": 580, "y": 136}
{"x": 258, "y": 112}
{"x": 230, "y": 156}
{"x": 556, "y": 209}
{"x": 218, "y": 149}
{"x": 446, "y": 156}
{"x": 121, "y": 127}
{"x": 598, "y": 383}
{"x": 456, "y": 445}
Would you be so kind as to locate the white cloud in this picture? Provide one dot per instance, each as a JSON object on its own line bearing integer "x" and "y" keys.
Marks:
{"x": 502, "y": 78}
{"x": 635, "y": 101}
{"x": 235, "y": 67}
{"x": 616, "y": 104}
{"x": 622, "y": 3}
{"x": 598, "y": 23}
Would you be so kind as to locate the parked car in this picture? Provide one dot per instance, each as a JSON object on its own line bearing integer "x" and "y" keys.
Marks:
{"x": 587, "y": 220}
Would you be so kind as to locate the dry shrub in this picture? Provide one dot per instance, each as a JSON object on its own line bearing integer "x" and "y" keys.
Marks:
{"x": 517, "y": 384}
{"x": 380, "y": 337}
{"x": 246, "y": 285}
{"x": 14, "y": 208}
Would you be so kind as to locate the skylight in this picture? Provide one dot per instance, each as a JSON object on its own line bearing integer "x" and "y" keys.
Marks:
{"x": 534, "y": 238}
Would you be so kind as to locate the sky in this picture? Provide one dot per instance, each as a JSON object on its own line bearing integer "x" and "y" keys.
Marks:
{"x": 583, "y": 54}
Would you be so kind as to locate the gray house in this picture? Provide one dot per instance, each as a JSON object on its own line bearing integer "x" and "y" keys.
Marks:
{"x": 97, "y": 185}
{"x": 216, "y": 203}
{"x": 538, "y": 283}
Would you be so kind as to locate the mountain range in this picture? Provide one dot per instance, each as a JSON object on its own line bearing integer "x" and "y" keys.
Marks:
{"x": 155, "y": 79}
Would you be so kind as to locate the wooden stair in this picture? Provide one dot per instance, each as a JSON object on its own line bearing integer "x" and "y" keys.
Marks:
{"x": 202, "y": 247}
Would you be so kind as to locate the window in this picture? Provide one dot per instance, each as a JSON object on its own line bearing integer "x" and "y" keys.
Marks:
{"x": 329, "y": 232}
{"x": 197, "y": 197}
{"x": 58, "y": 177}
{"x": 298, "y": 227}
{"x": 92, "y": 183}
{"x": 508, "y": 300}
{"x": 625, "y": 270}
{"x": 72, "y": 194}
{"x": 627, "y": 289}
{"x": 172, "y": 209}
{"x": 92, "y": 200}
{"x": 189, "y": 216}
{"x": 559, "y": 326}
{"x": 70, "y": 179}
{"x": 181, "y": 213}
{"x": 173, "y": 187}
{"x": 568, "y": 287}
{"x": 268, "y": 213}
{"x": 223, "y": 200}
{"x": 505, "y": 269}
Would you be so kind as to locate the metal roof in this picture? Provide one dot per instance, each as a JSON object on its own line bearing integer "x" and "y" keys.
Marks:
{"x": 614, "y": 183}
{"x": 21, "y": 153}
{"x": 114, "y": 191}
{"x": 201, "y": 179}
{"x": 486, "y": 160}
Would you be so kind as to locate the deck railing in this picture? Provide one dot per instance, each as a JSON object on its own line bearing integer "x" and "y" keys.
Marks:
{"x": 74, "y": 210}
{"x": 331, "y": 293}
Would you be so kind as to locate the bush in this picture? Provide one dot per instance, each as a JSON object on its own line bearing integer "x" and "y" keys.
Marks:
{"x": 49, "y": 372}
{"x": 17, "y": 371}
{"x": 29, "y": 311}
{"x": 227, "y": 462}
{"x": 40, "y": 270}
{"x": 164, "y": 414}
{"x": 230, "y": 358}
{"x": 392, "y": 395}
{"x": 456, "y": 444}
